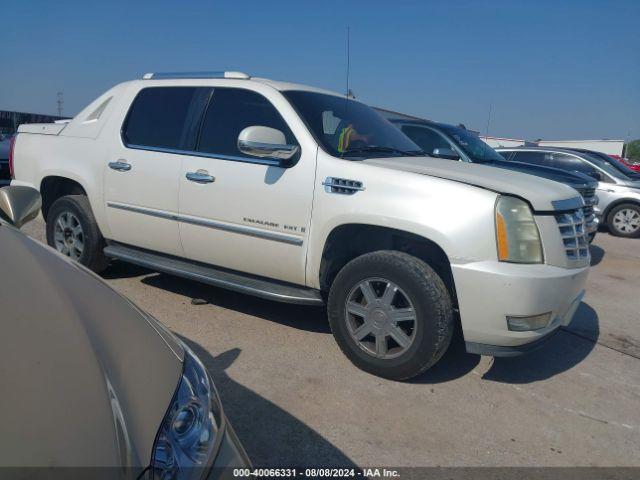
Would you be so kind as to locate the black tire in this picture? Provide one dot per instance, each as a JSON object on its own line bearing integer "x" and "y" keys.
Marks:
{"x": 92, "y": 255}
{"x": 617, "y": 229}
{"x": 434, "y": 323}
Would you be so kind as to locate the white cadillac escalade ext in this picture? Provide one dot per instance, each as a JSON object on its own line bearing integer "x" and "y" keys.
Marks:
{"x": 300, "y": 195}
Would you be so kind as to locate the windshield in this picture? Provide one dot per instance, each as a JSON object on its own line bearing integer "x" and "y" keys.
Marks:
{"x": 349, "y": 129}
{"x": 471, "y": 144}
{"x": 605, "y": 162}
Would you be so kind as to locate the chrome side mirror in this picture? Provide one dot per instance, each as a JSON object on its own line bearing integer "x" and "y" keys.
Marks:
{"x": 448, "y": 153}
{"x": 266, "y": 142}
{"x": 19, "y": 205}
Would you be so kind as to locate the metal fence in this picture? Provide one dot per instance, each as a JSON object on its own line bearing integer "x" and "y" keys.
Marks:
{"x": 9, "y": 121}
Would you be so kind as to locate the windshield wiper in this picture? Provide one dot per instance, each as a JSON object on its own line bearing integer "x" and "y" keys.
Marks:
{"x": 378, "y": 149}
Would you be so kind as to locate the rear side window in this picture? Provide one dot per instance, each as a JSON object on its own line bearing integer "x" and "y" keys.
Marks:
{"x": 230, "y": 111}
{"x": 427, "y": 139}
{"x": 166, "y": 117}
{"x": 505, "y": 155}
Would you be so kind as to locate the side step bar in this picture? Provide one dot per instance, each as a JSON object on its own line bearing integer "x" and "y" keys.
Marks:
{"x": 237, "y": 281}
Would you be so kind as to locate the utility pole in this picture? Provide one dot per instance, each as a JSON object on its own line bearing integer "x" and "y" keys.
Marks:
{"x": 489, "y": 119}
{"x": 60, "y": 103}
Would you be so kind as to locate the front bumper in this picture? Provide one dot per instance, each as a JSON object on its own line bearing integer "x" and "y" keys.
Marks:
{"x": 490, "y": 291}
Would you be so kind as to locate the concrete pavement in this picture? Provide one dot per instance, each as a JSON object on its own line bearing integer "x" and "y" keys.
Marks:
{"x": 294, "y": 399}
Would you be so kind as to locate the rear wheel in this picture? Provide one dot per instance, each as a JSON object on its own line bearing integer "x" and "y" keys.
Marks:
{"x": 390, "y": 314}
{"x": 72, "y": 230}
{"x": 624, "y": 220}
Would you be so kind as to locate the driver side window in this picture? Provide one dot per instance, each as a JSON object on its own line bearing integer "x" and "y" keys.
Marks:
{"x": 230, "y": 111}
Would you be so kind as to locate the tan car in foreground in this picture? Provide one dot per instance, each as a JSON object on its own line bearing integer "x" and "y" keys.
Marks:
{"x": 88, "y": 379}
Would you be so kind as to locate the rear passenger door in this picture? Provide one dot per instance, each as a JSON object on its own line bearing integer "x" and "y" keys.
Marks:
{"x": 250, "y": 215}
{"x": 141, "y": 177}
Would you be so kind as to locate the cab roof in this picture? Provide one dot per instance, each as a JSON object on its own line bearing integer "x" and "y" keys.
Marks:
{"x": 278, "y": 85}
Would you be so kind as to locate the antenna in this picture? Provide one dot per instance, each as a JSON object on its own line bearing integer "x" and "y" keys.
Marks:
{"x": 348, "y": 91}
{"x": 60, "y": 103}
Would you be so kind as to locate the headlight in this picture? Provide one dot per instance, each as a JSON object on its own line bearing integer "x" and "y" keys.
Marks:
{"x": 517, "y": 234}
{"x": 185, "y": 443}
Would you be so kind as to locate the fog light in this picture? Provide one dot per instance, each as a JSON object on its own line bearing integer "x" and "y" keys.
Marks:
{"x": 523, "y": 324}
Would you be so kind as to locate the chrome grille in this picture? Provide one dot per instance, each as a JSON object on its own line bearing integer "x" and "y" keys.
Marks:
{"x": 590, "y": 200}
{"x": 573, "y": 231}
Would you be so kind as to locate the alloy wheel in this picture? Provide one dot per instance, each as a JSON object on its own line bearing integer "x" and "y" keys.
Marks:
{"x": 68, "y": 235}
{"x": 627, "y": 220}
{"x": 380, "y": 318}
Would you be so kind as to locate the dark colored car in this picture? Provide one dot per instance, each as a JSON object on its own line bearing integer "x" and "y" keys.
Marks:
{"x": 5, "y": 146}
{"x": 628, "y": 163}
{"x": 618, "y": 186}
{"x": 457, "y": 143}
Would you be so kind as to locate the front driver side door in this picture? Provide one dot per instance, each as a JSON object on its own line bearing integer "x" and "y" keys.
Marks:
{"x": 242, "y": 212}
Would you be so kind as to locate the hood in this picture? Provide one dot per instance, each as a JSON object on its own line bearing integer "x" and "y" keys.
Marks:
{"x": 574, "y": 180}
{"x": 86, "y": 377}
{"x": 540, "y": 192}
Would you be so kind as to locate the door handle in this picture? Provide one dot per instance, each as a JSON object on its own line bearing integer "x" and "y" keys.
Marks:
{"x": 201, "y": 176}
{"x": 120, "y": 166}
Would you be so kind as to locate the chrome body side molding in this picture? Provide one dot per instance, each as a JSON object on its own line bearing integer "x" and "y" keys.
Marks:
{"x": 204, "y": 222}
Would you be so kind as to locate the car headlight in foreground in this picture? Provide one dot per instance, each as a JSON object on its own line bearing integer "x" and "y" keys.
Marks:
{"x": 517, "y": 234}
{"x": 185, "y": 445}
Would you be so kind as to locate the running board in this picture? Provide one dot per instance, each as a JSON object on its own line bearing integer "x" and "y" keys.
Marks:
{"x": 231, "y": 280}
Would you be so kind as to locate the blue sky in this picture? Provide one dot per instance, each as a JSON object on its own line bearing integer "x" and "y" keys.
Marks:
{"x": 549, "y": 69}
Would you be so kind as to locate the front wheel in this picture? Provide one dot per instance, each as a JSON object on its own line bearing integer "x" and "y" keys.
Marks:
{"x": 391, "y": 314}
{"x": 624, "y": 221}
{"x": 73, "y": 231}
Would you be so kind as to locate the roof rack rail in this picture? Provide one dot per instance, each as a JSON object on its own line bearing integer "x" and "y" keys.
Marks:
{"x": 175, "y": 75}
